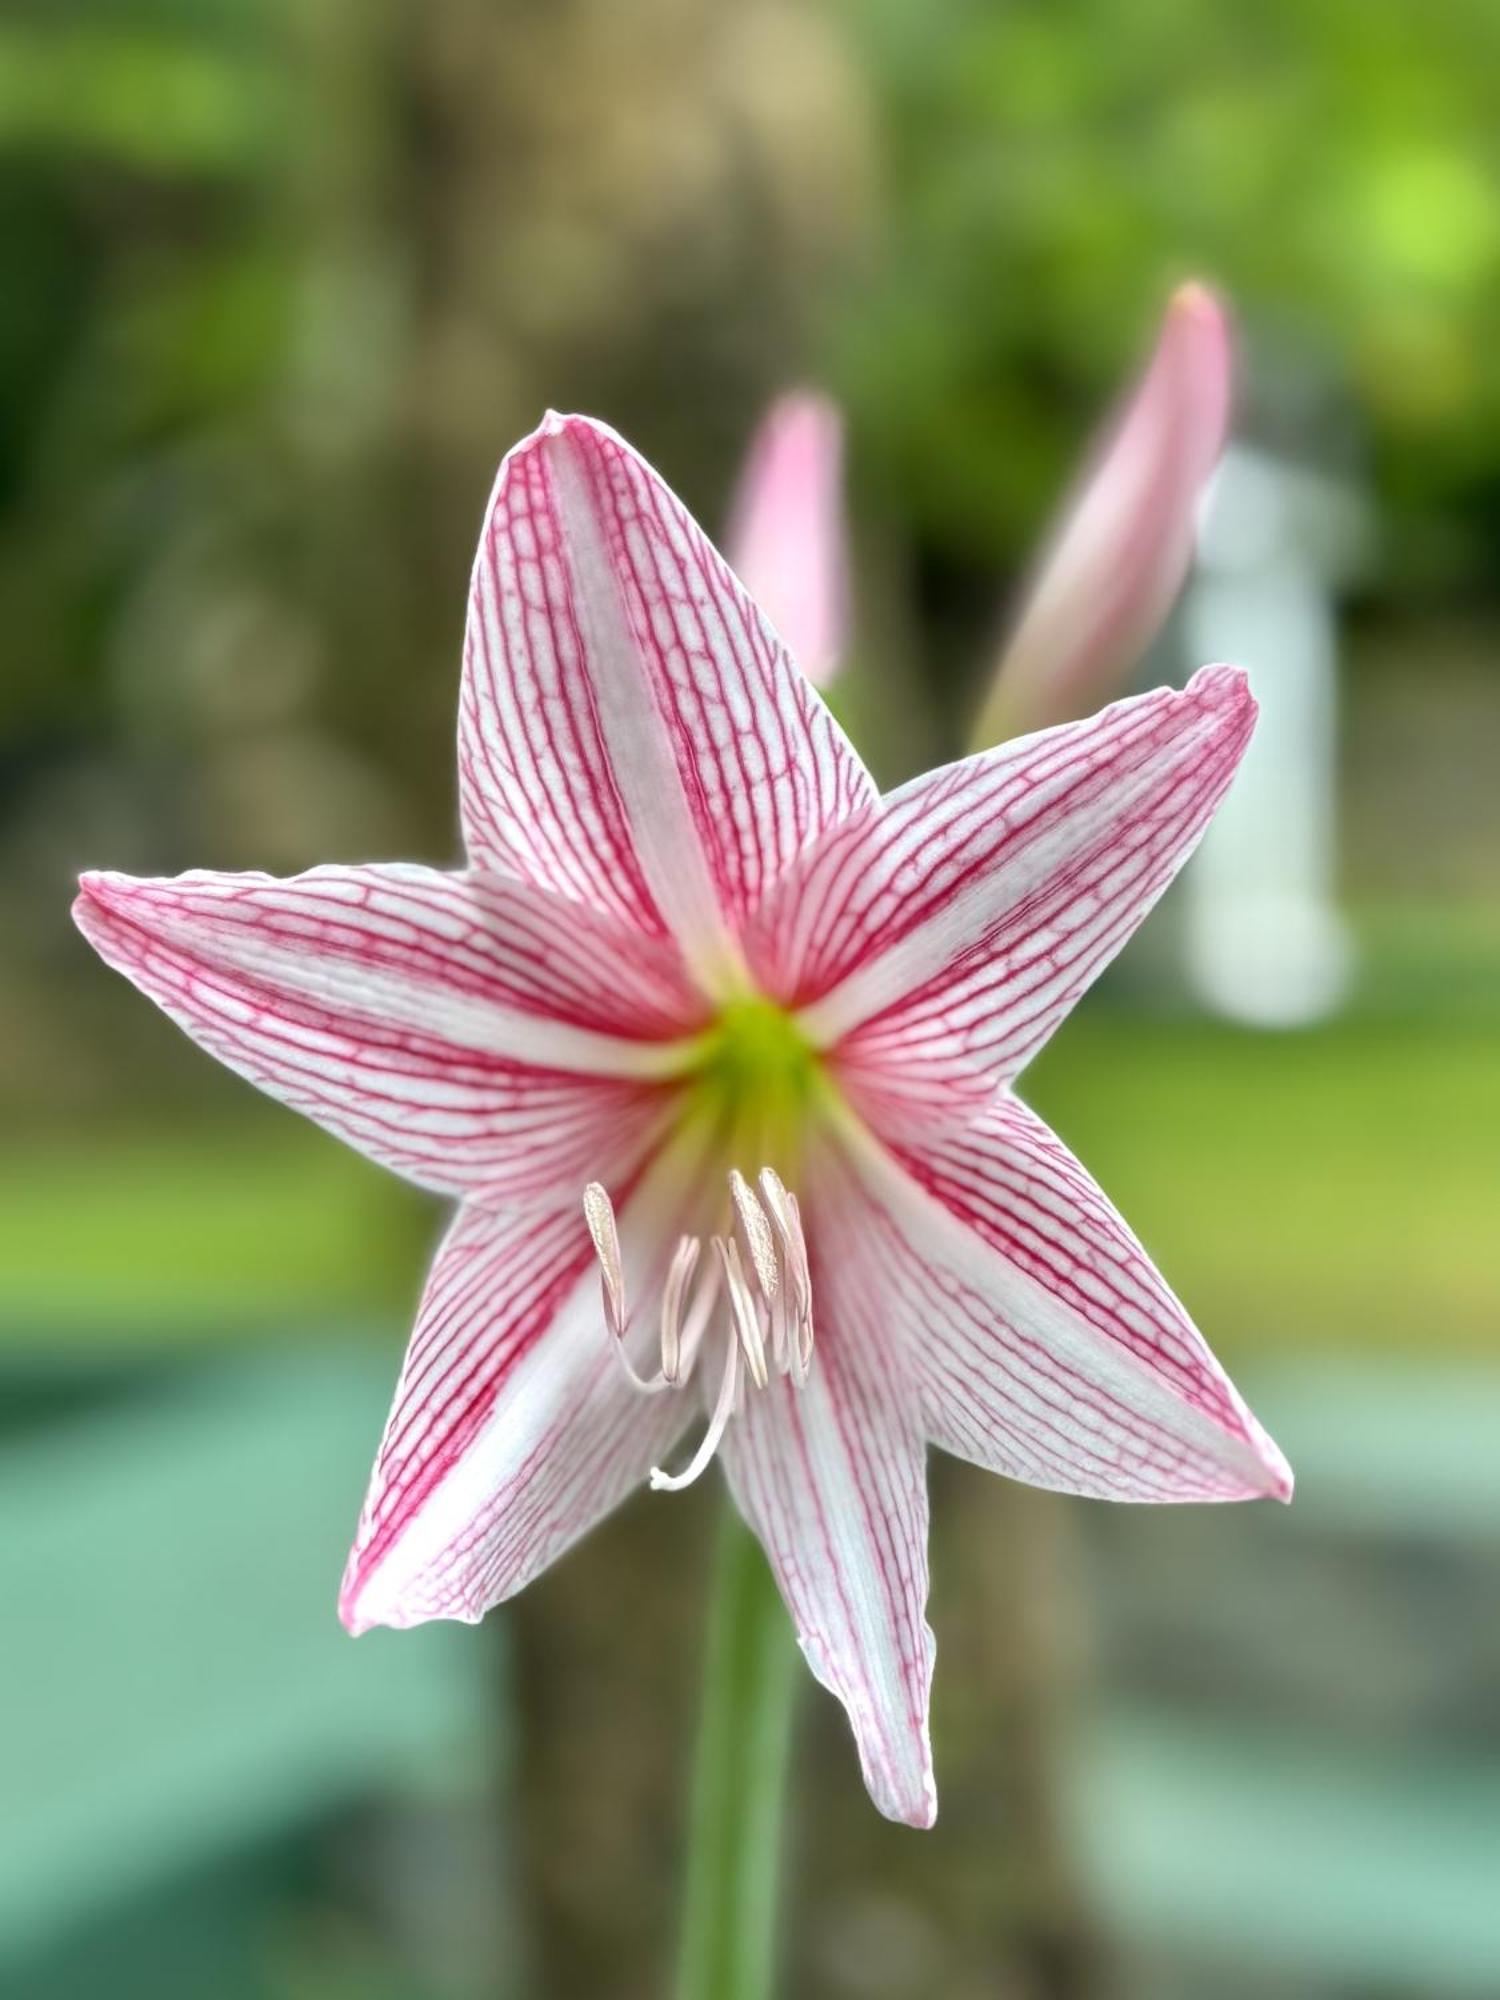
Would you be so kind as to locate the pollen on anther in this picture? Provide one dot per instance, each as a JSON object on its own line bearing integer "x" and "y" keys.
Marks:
{"x": 757, "y": 1229}
{"x": 599, "y": 1214}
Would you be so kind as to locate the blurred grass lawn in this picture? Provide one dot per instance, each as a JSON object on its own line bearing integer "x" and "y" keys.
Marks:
{"x": 1335, "y": 1187}
{"x": 1329, "y": 1188}
{"x": 138, "y": 1239}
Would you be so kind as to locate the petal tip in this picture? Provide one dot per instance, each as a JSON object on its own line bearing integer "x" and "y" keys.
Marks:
{"x": 1194, "y": 300}
{"x": 913, "y": 1804}
{"x": 1275, "y": 1480}
{"x": 1225, "y": 688}
{"x": 352, "y": 1615}
{"x": 102, "y": 893}
{"x": 812, "y": 412}
{"x": 570, "y": 424}
{"x": 554, "y": 424}
{"x": 1281, "y": 1481}
{"x": 358, "y": 1612}
{"x": 100, "y": 885}
{"x": 366, "y": 1598}
{"x": 1197, "y": 346}
{"x": 374, "y": 1590}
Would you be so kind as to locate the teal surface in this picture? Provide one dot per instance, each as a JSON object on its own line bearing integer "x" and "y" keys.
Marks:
{"x": 173, "y": 1679}
{"x": 1260, "y": 1847}
{"x": 1290, "y": 1766}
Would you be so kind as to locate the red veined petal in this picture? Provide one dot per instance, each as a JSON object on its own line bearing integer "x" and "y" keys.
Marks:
{"x": 832, "y": 1478}
{"x": 1043, "y": 1342}
{"x": 514, "y": 1428}
{"x": 944, "y": 936}
{"x": 632, "y": 733}
{"x": 477, "y": 1036}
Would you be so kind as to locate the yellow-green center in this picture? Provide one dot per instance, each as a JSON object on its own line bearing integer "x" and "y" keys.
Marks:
{"x": 759, "y": 1080}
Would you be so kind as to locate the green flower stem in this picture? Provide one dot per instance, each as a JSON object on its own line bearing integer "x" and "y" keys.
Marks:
{"x": 751, "y": 1674}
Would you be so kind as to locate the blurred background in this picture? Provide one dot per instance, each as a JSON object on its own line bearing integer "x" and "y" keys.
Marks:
{"x": 283, "y": 279}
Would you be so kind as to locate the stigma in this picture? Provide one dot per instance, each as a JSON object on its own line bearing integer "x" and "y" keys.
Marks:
{"x": 747, "y": 1300}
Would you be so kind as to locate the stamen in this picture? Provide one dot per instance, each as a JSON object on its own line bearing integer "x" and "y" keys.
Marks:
{"x": 696, "y": 1324}
{"x": 718, "y": 1423}
{"x": 787, "y": 1217}
{"x": 649, "y": 1385}
{"x": 807, "y": 1314}
{"x": 742, "y": 1310}
{"x": 757, "y": 1233}
{"x": 599, "y": 1213}
{"x": 684, "y": 1262}
{"x": 783, "y": 1212}
{"x": 760, "y": 1266}
{"x": 780, "y": 1337}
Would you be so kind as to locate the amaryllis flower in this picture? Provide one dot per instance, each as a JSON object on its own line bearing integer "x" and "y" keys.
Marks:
{"x": 715, "y": 1047}
{"x": 1115, "y": 561}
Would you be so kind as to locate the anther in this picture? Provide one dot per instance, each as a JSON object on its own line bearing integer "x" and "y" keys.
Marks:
{"x": 757, "y": 1230}
{"x": 599, "y": 1213}
{"x": 759, "y": 1265}
{"x": 787, "y": 1218}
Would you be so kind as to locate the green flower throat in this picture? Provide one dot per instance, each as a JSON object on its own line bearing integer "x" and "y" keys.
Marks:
{"x": 761, "y": 1083}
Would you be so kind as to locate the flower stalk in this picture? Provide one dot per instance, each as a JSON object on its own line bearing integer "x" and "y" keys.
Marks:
{"x": 729, "y": 1927}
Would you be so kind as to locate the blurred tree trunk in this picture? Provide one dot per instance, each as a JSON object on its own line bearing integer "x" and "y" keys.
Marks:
{"x": 984, "y": 1906}
{"x": 643, "y": 212}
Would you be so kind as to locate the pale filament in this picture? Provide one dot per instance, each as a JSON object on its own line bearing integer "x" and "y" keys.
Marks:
{"x": 759, "y": 1266}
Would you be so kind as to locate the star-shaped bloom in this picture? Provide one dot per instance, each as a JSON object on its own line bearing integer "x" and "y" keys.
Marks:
{"x": 715, "y": 1046}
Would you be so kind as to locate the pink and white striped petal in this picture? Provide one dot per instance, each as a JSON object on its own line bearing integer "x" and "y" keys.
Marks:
{"x": 477, "y": 1036}
{"x": 945, "y": 936}
{"x": 1122, "y": 547}
{"x": 632, "y": 733}
{"x": 1044, "y": 1343}
{"x": 787, "y": 540}
{"x": 514, "y": 1427}
{"x": 832, "y": 1478}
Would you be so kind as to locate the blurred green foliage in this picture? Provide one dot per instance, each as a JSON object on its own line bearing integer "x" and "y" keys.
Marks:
{"x": 1334, "y": 166}
{"x": 220, "y": 240}
{"x": 135, "y": 1241}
